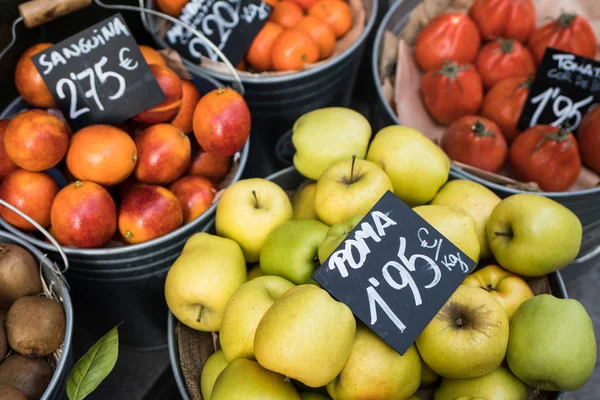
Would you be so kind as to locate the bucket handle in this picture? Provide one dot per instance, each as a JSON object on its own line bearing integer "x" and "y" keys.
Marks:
{"x": 37, "y": 12}
{"x": 60, "y": 272}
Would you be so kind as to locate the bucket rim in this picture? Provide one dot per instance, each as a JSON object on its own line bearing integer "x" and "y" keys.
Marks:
{"x": 377, "y": 44}
{"x": 266, "y": 80}
{"x": 67, "y": 307}
{"x": 184, "y": 230}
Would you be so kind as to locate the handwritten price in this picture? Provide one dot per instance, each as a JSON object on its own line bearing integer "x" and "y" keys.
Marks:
{"x": 563, "y": 108}
{"x": 92, "y": 76}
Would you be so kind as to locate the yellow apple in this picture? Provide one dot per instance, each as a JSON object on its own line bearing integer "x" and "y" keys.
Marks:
{"x": 249, "y": 210}
{"x": 213, "y": 367}
{"x": 303, "y": 201}
{"x": 468, "y": 336}
{"x": 473, "y": 199}
{"x": 428, "y": 377}
{"x": 416, "y": 166}
{"x": 508, "y": 289}
{"x": 376, "y": 371}
{"x": 203, "y": 278}
{"x": 254, "y": 272}
{"x": 497, "y": 385}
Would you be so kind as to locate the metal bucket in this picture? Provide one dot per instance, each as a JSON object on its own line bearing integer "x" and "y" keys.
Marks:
{"x": 126, "y": 284}
{"x": 585, "y": 203}
{"x": 290, "y": 179}
{"x": 56, "y": 387}
{"x": 277, "y": 101}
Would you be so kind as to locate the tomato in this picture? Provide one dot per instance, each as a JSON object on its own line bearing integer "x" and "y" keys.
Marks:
{"x": 320, "y": 32}
{"x": 292, "y": 50}
{"x": 259, "y": 54}
{"x": 452, "y": 36}
{"x": 510, "y": 19}
{"x": 336, "y": 13}
{"x": 451, "y": 92}
{"x": 588, "y": 137}
{"x": 477, "y": 142}
{"x": 546, "y": 155}
{"x": 503, "y": 58}
{"x": 571, "y": 33}
{"x": 504, "y": 103}
{"x": 286, "y": 14}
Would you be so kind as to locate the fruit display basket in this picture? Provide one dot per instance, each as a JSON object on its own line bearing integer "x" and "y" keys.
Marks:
{"x": 276, "y": 100}
{"x": 55, "y": 287}
{"x": 584, "y": 202}
{"x": 189, "y": 349}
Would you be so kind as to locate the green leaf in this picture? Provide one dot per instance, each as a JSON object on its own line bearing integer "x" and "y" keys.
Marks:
{"x": 94, "y": 366}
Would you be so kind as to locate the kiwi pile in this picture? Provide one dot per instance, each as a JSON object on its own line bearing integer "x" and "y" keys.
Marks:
{"x": 32, "y": 327}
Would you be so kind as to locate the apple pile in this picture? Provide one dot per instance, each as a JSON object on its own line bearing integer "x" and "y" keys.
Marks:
{"x": 284, "y": 337}
{"x": 129, "y": 183}
{"x": 477, "y": 72}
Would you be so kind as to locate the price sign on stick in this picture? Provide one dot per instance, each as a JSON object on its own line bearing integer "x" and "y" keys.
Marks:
{"x": 394, "y": 271}
{"x": 99, "y": 75}
{"x": 231, "y": 25}
{"x": 566, "y": 87}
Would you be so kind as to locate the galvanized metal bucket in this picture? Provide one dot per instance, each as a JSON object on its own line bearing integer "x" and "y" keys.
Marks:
{"x": 126, "y": 284}
{"x": 290, "y": 179}
{"x": 56, "y": 387}
{"x": 585, "y": 203}
{"x": 277, "y": 101}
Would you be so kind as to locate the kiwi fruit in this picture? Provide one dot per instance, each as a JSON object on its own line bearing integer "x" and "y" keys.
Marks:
{"x": 28, "y": 376}
{"x": 8, "y": 393}
{"x": 19, "y": 274}
{"x": 35, "y": 326}
{"x": 3, "y": 340}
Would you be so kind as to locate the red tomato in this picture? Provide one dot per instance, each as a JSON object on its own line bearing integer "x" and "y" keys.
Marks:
{"x": 477, "y": 142}
{"x": 451, "y": 92}
{"x": 546, "y": 155}
{"x": 504, "y": 103}
{"x": 501, "y": 59}
{"x": 511, "y": 19}
{"x": 452, "y": 36}
{"x": 588, "y": 137}
{"x": 570, "y": 32}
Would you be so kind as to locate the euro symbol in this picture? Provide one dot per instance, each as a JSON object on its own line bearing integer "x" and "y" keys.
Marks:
{"x": 126, "y": 62}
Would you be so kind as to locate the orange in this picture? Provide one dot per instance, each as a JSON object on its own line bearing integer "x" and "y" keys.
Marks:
{"x": 336, "y": 13}
{"x": 287, "y": 14}
{"x": 272, "y": 3}
{"x": 241, "y": 65}
{"x": 292, "y": 50}
{"x": 28, "y": 80}
{"x": 305, "y": 4}
{"x": 259, "y": 55}
{"x": 171, "y": 7}
{"x": 320, "y": 32}
{"x": 102, "y": 154}
{"x": 152, "y": 56}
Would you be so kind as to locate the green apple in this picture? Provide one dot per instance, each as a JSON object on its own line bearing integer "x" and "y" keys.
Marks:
{"x": 348, "y": 188}
{"x": 254, "y": 272}
{"x": 473, "y": 199}
{"x": 244, "y": 311}
{"x": 314, "y": 396}
{"x": 326, "y": 136}
{"x": 376, "y": 371}
{"x": 247, "y": 380}
{"x": 497, "y": 385}
{"x": 291, "y": 248}
{"x": 468, "y": 336}
{"x": 455, "y": 225}
{"x": 508, "y": 289}
{"x": 552, "y": 345}
{"x": 428, "y": 377}
{"x": 335, "y": 236}
{"x": 249, "y": 210}
{"x": 213, "y": 367}
{"x": 203, "y": 278}
{"x": 416, "y": 166}
{"x": 532, "y": 235}
{"x": 306, "y": 335}
{"x": 303, "y": 201}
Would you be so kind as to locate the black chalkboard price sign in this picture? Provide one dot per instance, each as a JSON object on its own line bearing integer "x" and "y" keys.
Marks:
{"x": 99, "y": 75}
{"x": 566, "y": 87}
{"x": 231, "y": 25}
{"x": 394, "y": 271}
